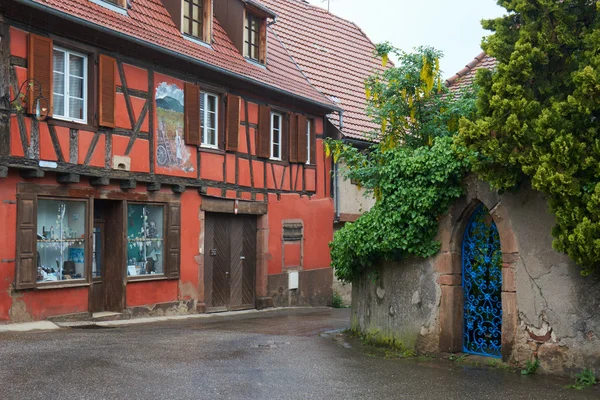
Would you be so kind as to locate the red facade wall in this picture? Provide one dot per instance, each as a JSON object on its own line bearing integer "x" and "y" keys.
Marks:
{"x": 223, "y": 173}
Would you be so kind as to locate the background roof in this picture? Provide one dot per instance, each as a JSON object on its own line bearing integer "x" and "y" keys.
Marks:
{"x": 335, "y": 55}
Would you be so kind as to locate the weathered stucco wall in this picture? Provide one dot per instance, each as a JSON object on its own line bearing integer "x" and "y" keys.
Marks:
{"x": 549, "y": 310}
{"x": 352, "y": 200}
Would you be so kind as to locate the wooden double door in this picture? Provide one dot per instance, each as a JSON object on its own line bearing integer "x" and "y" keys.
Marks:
{"x": 229, "y": 262}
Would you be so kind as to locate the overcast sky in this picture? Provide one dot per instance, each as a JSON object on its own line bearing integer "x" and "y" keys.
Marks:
{"x": 452, "y": 26}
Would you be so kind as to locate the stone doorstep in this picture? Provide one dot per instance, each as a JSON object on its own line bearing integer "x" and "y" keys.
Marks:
{"x": 67, "y": 321}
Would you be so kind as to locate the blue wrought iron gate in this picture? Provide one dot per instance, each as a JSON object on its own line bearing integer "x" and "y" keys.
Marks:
{"x": 482, "y": 286}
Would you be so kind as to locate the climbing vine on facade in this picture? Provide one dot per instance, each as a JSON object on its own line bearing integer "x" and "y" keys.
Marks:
{"x": 538, "y": 115}
{"x": 413, "y": 171}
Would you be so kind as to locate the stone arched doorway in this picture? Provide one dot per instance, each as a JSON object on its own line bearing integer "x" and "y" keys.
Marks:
{"x": 448, "y": 264}
{"x": 481, "y": 259}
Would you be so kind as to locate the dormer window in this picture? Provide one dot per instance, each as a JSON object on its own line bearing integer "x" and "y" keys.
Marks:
{"x": 252, "y": 37}
{"x": 197, "y": 19}
{"x": 119, "y": 3}
{"x": 255, "y": 41}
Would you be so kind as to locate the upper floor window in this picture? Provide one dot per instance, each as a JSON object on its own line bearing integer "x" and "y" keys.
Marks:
{"x": 70, "y": 83}
{"x": 197, "y": 18}
{"x": 252, "y": 37}
{"x": 276, "y": 125}
{"x": 120, "y": 3}
{"x": 209, "y": 112}
{"x": 114, "y": 5}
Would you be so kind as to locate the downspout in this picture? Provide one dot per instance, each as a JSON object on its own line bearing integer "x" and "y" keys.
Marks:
{"x": 336, "y": 178}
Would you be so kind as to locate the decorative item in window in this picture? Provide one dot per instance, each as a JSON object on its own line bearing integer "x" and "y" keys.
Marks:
{"x": 40, "y": 103}
{"x": 171, "y": 151}
{"x": 145, "y": 241}
{"x": 61, "y": 243}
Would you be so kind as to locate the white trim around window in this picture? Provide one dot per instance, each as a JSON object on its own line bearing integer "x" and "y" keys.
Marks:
{"x": 308, "y": 127}
{"x": 70, "y": 85}
{"x": 209, "y": 113}
{"x": 276, "y": 129}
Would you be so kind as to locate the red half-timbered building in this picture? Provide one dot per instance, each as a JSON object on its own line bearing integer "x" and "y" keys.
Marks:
{"x": 157, "y": 156}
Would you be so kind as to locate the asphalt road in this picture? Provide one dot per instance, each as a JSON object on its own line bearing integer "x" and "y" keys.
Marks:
{"x": 274, "y": 355}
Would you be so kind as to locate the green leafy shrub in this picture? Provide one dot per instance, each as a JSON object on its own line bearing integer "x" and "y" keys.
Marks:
{"x": 530, "y": 367}
{"x": 413, "y": 171}
{"x": 337, "y": 301}
{"x": 538, "y": 115}
{"x": 584, "y": 380}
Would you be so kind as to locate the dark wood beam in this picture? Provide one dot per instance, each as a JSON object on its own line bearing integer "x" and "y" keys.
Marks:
{"x": 68, "y": 178}
{"x": 3, "y": 172}
{"x": 153, "y": 186}
{"x": 100, "y": 181}
{"x": 128, "y": 184}
{"x": 178, "y": 188}
{"x": 31, "y": 173}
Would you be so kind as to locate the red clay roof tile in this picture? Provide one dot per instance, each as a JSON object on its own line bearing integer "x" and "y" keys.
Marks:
{"x": 334, "y": 53}
{"x": 149, "y": 21}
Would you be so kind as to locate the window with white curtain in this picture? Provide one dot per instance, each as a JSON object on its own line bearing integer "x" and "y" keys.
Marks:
{"x": 70, "y": 85}
{"x": 209, "y": 112}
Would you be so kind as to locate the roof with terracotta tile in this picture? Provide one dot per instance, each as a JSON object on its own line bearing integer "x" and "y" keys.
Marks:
{"x": 334, "y": 53}
{"x": 466, "y": 76}
{"x": 150, "y": 22}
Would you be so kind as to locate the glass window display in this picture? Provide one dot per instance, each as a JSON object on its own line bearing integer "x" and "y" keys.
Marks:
{"x": 60, "y": 240}
{"x": 145, "y": 239}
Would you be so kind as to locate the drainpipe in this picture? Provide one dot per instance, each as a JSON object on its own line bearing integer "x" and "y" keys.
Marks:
{"x": 336, "y": 179}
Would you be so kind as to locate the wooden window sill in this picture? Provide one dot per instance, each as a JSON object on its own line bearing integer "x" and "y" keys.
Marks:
{"x": 62, "y": 284}
{"x": 204, "y": 149}
{"x": 72, "y": 125}
{"x": 143, "y": 278}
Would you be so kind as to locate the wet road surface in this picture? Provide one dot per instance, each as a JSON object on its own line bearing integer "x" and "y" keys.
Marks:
{"x": 273, "y": 355}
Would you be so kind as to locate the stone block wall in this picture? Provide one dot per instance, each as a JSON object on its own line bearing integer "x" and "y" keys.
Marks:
{"x": 550, "y": 311}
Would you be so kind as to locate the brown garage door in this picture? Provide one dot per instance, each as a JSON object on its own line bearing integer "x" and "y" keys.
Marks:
{"x": 229, "y": 261}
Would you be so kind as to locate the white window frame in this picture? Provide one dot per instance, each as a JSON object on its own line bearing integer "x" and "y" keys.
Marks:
{"x": 204, "y": 141}
{"x": 279, "y": 131}
{"x": 308, "y": 127}
{"x": 65, "y": 94}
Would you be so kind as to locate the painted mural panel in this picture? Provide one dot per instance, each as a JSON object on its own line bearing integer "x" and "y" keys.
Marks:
{"x": 171, "y": 151}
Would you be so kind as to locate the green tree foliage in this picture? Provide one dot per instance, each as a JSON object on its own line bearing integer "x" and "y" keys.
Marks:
{"x": 413, "y": 170}
{"x": 538, "y": 115}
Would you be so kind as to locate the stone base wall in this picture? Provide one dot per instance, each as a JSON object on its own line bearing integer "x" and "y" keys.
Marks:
{"x": 314, "y": 289}
{"x": 550, "y": 312}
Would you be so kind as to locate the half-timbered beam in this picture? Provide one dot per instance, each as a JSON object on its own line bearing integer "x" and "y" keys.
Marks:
{"x": 3, "y": 172}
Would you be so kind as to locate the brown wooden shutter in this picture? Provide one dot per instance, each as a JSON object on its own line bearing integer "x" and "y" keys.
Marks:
{"x": 192, "y": 114}
{"x": 313, "y": 142}
{"x": 302, "y": 139}
{"x": 26, "y": 276}
{"x": 293, "y": 138}
{"x": 285, "y": 136}
{"x": 262, "y": 47}
{"x": 40, "y": 69}
{"x": 233, "y": 122}
{"x": 173, "y": 241}
{"x": 107, "y": 91}
{"x": 263, "y": 137}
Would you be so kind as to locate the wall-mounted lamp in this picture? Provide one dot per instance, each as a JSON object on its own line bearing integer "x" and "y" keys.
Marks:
{"x": 40, "y": 103}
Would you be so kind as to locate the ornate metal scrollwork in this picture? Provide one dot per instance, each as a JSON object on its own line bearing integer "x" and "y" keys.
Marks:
{"x": 482, "y": 285}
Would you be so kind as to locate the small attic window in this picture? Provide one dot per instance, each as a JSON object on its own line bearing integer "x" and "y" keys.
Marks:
{"x": 197, "y": 19}
{"x": 119, "y": 6}
{"x": 255, "y": 32}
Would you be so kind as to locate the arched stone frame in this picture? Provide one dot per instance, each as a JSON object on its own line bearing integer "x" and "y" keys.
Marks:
{"x": 448, "y": 265}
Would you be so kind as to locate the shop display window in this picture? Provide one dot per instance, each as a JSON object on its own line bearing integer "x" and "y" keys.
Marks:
{"x": 61, "y": 241}
{"x": 145, "y": 239}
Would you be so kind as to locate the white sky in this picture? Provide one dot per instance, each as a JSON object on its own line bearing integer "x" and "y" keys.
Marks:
{"x": 452, "y": 26}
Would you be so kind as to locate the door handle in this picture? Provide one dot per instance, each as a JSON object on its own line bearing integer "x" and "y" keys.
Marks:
{"x": 242, "y": 258}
